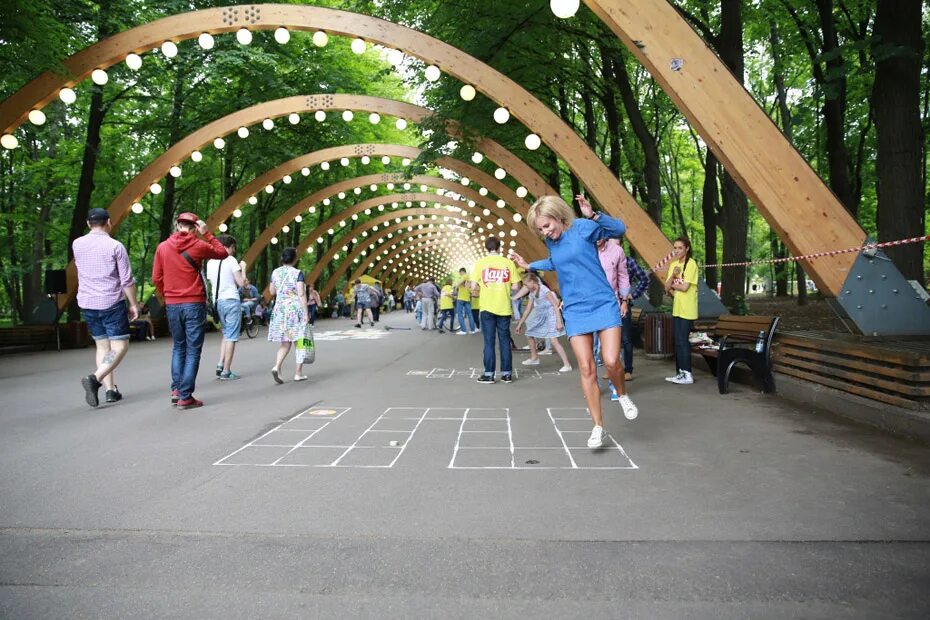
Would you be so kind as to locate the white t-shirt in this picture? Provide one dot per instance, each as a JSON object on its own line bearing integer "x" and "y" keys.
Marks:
{"x": 228, "y": 287}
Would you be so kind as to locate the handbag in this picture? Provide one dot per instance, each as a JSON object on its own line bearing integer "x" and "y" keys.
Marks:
{"x": 305, "y": 347}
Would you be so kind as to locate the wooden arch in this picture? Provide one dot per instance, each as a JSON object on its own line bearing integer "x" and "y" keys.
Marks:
{"x": 383, "y": 264}
{"x": 405, "y": 240}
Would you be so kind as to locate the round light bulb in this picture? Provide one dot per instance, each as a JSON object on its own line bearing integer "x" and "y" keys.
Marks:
{"x": 253, "y": 200}
{"x": 223, "y": 227}
{"x": 521, "y": 192}
{"x": 477, "y": 157}
{"x": 175, "y": 171}
{"x": 358, "y": 46}
{"x": 285, "y": 229}
{"x": 366, "y": 160}
{"x": 500, "y": 174}
{"x": 357, "y": 191}
{"x": 347, "y": 115}
{"x": 268, "y": 124}
{"x": 467, "y": 92}
{"x": 326, "y": 201}
{"x": 37, "y": 117}
{"x": 341, "y": 195}
{"x": 169, "y": 49}
{"x": 137, "y": 208}
{"x": 274, "y": 241}
{"x": 405, "y": 161}
{"x": 344, "y": 161}
{"x": 320, "y": 116}
{"x": 517, "y": 217}
{"x": 67, "y": 95}
{"x": 564, "y": 9}
{"x": 395, "y": 57}
{"x": 269, "y": 189}
{"x": 99, "y": 77}
{"x": 219, "y": 143}
{"x": 373, "y": 187}
{"x": 155, "y": 188}
{"x": 293, "y": 118}
{"x": 500, "y": 203}
{"x": 463, "y": 181}
{"x": 282, "y": 36}
{"x": 501, "y": 115}
{"x": 305, "y": 171}
{"x": 196, "y": 156}
{"x": 532, "y": 142}
{"x": 401, "y": 124}
{"x": 206, "y": 41}
{"x": 320, "y": 38}
{"x": 237, "y": 213}
{"x": 374, "y": 118}
{"x": 243, "y": 132}
{"x": 287, "y": 179}
{"x": 385, "y": 160}
{"x": 298, "y": 219}
{"x": 243, "y": 36}
{"x": 325, "y": 165}
{"x": 432, "y": 73}
{"x": 134, "y": 61}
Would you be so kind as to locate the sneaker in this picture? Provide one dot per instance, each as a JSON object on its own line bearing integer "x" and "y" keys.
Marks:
{"x": 189, "y": 403}
{"x": 566, "y": 368}
{"x": 372, "y": 323}
{"x": 613, "y": 392}
{"x": 546, "y": 352}
{"x": 675, "y": 378}
{"x": 276, "y": 375}
{"x": 91, "y": 387}
{"x": 299, "y": 378}
{"x": 219, "y": 369}
{"x": 113, "y": 396}
{"x": 684, "y": 378}
{"x": 485, "y": 379}
{"x": 229, "y": 376}
{"x": 461, "y": 333}
{"x": 596, "y": 440}
{"x": 530, "y": 362}
{"x": 175, "y": 397}
{"x": 507, "y": 378}
{"x": 630, "y": 411}
{"x": 628, "y": 376}
{"x": 358, "y": 324}
{"x": 441, "y": 331}
{"x": 474, "y": 331}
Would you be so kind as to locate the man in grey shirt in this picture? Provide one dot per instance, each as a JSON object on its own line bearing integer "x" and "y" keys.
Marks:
{"x": 428, "y": 294}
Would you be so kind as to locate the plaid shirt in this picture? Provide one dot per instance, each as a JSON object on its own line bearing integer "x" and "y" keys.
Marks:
{"x": 639, "y": 274}
{"x": 103, "y": 270}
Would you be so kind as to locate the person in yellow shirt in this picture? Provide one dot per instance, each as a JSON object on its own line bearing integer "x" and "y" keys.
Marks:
{"x": 463, "y": 304}
{"x": 446, "y": 305}
{"x": 681, "y": 284}
{"x": 476, "y": 305}
{"x": 495, "y": 276}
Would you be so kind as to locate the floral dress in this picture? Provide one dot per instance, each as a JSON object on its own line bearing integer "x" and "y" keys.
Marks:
{"x": 541, "y": 322}
{"x": 287, "y": 319}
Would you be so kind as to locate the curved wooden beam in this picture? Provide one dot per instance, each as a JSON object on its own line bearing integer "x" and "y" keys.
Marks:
{"x": 384, "y": 263}
{"x": 603, "y": 187}
{"x": 401, "y": 245}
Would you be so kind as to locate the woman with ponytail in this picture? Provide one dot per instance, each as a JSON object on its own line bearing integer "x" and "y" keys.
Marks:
{"x": 681, "y": 284}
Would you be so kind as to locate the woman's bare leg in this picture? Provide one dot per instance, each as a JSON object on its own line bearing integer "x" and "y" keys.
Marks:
{"x": 583, "y": 347}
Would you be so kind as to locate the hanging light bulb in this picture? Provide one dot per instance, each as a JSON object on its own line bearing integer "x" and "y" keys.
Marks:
{"x": 477, "y": 157}
{"x": 500, "y": 174}
{"x": 287, "y": 179}
{"x": 385, "y": 160}
{"x": 219, "y": 143}
{"x": 463, "y": 181}
{"x": 196, "y": 156}
{"x": 358, "y": 46}
{"x": 293, "y": 118}
{"x": 99, "y": 77}
{"x": 243, "y": 132}
{"x": 325, "y": 165}
{"x": 373, "y": 187}
{"x": 357, "y": 191}
{"x": 285, "y": 229}
{"x": 501, "y": 115}
{"x": 521, "y": 192}
{"x": 155, "y": 188}
{"x": 243, "y": 36}
{"x": 401, "y": 124}
{"x": 37, "y": 117}
{"x": 305, "y": 171}
{"x": 134, "y": 61}
{"x": 532, "y": 142}
{"x": 253, "y": 200}
{"x": 282, "y": 36}
{"x": 405, "y": 161}
{"x": 169, "y": 49}
{"x": 366, "y": 160}
{"x": 137, "y": 208}
{"x": 467, "y": 92}
{"x": 320, "y": 38}
{"x": 269, "y": 189}
{"x": 326, "y": 201}
{"x": 374, "y": 118}
{"x": 347, "y": 115}
{"x": 432, "y": 73}
{"x": 67, "y": 95}
{"x": 564, "y": 9}
{"x": 500, "y": 203}
{"x": 175, "y": 171}
{"x": 298, "y": 219}
{"x": 341, "y": 195}
{"x": 517, "y": 217}
{"x": 320, "y": 116}
{"x": 274, "y": 241}
{"x": 344, "y": 161}
{"x": 206, "y": 41}
{"x": 237, "y": 213}
{"x": 395, "y": 57}
{"x": 223, "y": 227}
{"x": 268, "y": 124}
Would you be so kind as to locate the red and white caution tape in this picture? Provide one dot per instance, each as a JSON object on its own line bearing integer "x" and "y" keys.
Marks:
{"x": 864, "y": 248}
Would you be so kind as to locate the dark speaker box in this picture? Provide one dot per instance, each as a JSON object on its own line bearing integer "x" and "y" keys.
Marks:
{"x": 55, "y": 281}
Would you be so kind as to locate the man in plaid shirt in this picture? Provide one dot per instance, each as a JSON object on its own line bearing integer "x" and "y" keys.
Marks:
{"x": 107, "y": 298}
{"x": 637, "y": 274}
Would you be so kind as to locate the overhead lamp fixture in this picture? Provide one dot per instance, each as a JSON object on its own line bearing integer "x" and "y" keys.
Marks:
{"x": 374, "y": 118}
{"x": 155, "y": 188}
{"x": 287, "y": 179}
{"x": 175, "y": 171}
{"x": 344, "y": 161}
{"x": 325, "y": 165}
{"x": 563, "y": 9}
{"x": 137, "y": 208}
{"x": 347, "y": 115}
{"x": 500, "y": 174}
{"x": 196, "y": 156}
{"x": 169, "y": 49}
{"x": 223, "y": 227}
{"x": 269, "y": 189}
{"x": 219, "y": 143}
{"x": 521, "y": 192}
{"x": 305, "y": 171}
{"x": 67, "y": 95}
{"x": 358, "y": 46}
{"x": 253, "y": 200}
{"x": 243, "y": 36}
{"x": 206, "y": 41}
{"x": 366, "y": 160}
{"x": 320, "y": 115}
{"x": 134, "y": 61}
{"x": 37, "y": 117}
{"x": 293, "y": 118}
{"x": 532, "y": 142}
{"x": 243, "y": 132}
{"x": 467, "y": 92}
{"x": 385, "y": 160}
{"x": 99, "y": 77}
{"x": 501, "y": 115}
{"x": 401, "y": 124}
{"x": 282, "y": 36}
{"x": 320, "y": 38}
{"x": 268, "y": 124}
{"x": 432, "y": 73}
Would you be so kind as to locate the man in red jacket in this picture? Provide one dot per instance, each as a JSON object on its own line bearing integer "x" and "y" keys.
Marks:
{"x": 176, "y": 273}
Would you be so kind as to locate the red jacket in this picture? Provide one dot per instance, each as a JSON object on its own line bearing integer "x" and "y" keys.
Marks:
{"x": 175, "y": 279}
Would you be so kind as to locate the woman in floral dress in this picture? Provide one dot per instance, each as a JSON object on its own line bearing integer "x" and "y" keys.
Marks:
{"x": 290, "y": 316}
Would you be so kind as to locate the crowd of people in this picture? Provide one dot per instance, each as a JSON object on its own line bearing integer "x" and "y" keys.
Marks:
{"x": 598, "y": 285}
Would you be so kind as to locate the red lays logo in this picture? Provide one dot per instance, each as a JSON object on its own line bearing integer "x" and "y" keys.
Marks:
{"x": 500, "y": 276}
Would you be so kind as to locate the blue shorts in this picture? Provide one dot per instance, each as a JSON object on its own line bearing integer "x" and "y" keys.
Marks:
{"x": 109, "y": 324}
{"x": 230, "y": 318}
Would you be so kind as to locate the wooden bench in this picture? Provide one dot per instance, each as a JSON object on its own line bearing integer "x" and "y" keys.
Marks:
{"x": 896, "y": 372}
{"x": 27, "y": 338}
{"x": 737, "y": 338}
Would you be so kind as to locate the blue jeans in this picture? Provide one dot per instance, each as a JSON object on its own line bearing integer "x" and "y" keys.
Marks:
{"x": 463, "y": 309}
{"x": 496, "y": 325}
{"x": 109, "y": 324}
{"x": 187, "y": 323}
{"x": 681, "y": 328}
{"x": 446, "y": 314}
{"x": 626, "y": 338}
{"x": 248, "y": 307}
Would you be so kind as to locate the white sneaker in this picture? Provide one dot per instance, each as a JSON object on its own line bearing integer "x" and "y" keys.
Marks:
{"x": 566, "y": 368}
{"x": 474, "y": 331}
{"x": 546, "y": 352}
{"x": 596, "y": 440}
{"x": 675, "y": 378}
{"x": 530, "y": 362}
{"x": 629, "y": 409}
{"x": 461, "y": 333}
{"x": 684, "y": 378}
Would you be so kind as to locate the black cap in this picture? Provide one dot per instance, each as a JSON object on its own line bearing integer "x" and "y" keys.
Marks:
{"x": 97, "y": 215}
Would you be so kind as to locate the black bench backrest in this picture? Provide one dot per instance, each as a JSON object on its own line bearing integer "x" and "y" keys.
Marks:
{"x": 747, "y": 328}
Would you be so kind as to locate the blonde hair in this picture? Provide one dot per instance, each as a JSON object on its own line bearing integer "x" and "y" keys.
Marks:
{"x": 532, "y": 277}
{"x": 550, "y": 206}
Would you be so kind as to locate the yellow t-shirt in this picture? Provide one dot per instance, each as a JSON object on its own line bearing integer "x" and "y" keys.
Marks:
{"x": 495, "y": 275}
{"x": 445, "y": 299}
{"x": 462, "y": 292}
{"x": 685, "y": 303}
{"x": 476, "y": 299}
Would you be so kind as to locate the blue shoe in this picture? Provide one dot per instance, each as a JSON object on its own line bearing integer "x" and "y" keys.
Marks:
{"x": 613, "y": 392}
{"x": 229, "y": 376}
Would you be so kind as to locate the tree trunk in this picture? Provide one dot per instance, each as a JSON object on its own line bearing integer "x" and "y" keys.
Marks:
{"x": 166, "y": 222}
{"x": 710, "y": 202}
{"x": 896, "y": 105}
{"x": 735, "y": 211}
{"x": 611, "y": 114}
{"x": 779, "y": 250}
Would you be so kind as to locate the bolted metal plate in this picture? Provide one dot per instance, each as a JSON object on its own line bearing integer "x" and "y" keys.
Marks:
{"x": 709, "y": 305}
